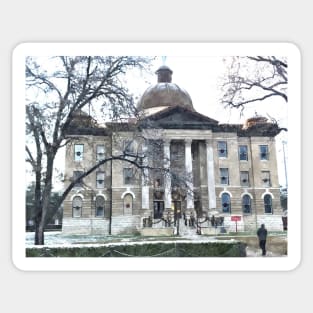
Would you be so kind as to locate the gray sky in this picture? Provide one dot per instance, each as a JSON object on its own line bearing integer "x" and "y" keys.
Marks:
{"x": 200, "y": 77}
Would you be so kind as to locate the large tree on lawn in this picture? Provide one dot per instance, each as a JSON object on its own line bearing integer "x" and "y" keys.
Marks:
{"x": 57, "y": 88}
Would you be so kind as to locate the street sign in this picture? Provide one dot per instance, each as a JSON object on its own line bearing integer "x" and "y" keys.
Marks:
{"x": 235, "y": 218}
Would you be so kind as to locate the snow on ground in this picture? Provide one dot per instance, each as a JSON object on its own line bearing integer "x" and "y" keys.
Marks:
{"x": 57, "y": 239}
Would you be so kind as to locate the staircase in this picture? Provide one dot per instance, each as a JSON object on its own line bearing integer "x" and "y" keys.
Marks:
{"x": 125, "y": 224}
{"x": 186, "y": 230}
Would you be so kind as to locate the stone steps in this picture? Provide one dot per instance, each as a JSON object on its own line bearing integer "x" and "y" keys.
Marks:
{"x": 125, "y": 224}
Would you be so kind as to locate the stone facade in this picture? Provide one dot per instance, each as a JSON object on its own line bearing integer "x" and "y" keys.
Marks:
{"x": 195, "y": 170}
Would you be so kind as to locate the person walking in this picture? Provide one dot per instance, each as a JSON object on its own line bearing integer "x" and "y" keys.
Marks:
{"x": 262, "y": 235}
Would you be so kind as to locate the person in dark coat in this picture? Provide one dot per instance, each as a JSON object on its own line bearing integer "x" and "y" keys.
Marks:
{"x": 262, "y": 235}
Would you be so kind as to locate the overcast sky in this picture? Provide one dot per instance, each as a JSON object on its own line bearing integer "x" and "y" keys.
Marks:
{"x": 201, "y": 78}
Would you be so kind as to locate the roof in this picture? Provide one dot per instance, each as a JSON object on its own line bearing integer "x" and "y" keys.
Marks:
{"x": 164, "y": 93}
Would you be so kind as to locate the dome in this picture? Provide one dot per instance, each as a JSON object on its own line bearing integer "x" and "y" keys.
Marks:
{"x": 164, "y": 93}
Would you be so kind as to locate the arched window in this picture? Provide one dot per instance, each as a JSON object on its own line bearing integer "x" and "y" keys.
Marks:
{"x": 128, "y": 204}
{"x": 246, "y": 204}
{"x": 100, "y": 206}
{"x": 268, "y": 204}
{"x": 77, "y": 205}
{"x": 226, "y": 205}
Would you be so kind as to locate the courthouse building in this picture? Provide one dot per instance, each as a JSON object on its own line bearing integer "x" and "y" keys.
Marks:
{"x": 199, "y": 175}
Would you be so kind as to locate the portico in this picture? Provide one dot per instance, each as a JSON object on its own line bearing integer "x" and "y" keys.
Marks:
{"x": 187, "y": 154}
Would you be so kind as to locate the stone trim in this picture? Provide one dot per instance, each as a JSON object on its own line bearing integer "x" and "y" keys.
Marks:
{"x": 128, "y": 191}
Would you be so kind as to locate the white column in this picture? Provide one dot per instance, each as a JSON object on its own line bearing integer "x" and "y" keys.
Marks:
{"x": 211, "y": 176}
{"x": 189, "y": 178}
{"x": 145, "y": 181}
{"x": 167, "y": 177}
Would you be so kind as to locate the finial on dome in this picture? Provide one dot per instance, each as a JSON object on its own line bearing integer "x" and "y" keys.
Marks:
{"x": 164, "y": 74}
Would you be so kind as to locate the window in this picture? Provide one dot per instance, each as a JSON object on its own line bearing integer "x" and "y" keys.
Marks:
{"x": 264, "y": 155}
{"x": 243, "y": 153}
{"x": 129, "y": 146}
{"x": 158, "y": 208}
{"x": 99, "y": 206}
{"x": 158, "y": 178}
{"x": 226, "y": 206}
{"x": 157, "y": 183}
{"x": 78, "y": 152}
{"x": 77, "y": 204}
{"x": 128, "y": 176}
{"x": 100, "y": 152}
{"x": 222, "y": 149}
{"x": 128, "y": 204}
{"x": 268, "y": 204}
{"x": 266, "y": 179}
{"x": 100, "y": 179}
{"x": 246, "y": 204}
{"x": 244, "y": 178}
{"x": 224, "y": 178}
{"x": 76, "y": 174}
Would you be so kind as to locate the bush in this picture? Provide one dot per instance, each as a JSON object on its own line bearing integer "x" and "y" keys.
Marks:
{"x": 164, "y": 249}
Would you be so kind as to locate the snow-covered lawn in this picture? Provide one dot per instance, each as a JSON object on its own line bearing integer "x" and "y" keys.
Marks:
{"x": 55, "y": 239}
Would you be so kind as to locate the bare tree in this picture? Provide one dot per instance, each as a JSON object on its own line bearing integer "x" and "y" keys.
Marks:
{"x": 56, "y": 89}
{"x": 254, "y": 78}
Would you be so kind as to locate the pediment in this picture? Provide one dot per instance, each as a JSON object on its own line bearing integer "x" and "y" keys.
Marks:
{"x": 178, "y": 117}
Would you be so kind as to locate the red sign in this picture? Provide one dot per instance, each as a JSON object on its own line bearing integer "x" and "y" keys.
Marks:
{"x": 235, "y": 218}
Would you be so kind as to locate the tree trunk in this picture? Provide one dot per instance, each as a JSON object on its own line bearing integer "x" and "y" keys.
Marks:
{"x": 37, "y": 233}
{"x": 40, "y": 235}
{"x": 46, "y": 196}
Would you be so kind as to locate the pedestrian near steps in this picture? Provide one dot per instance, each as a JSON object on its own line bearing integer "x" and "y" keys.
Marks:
{"x": 262, "y": 235}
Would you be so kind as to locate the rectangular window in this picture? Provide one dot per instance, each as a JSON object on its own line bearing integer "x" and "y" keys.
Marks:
{"x": 224, "y": 176}
{"x": 222, "y": 149}
{"x": 244, "y": 178}
{"x": 266, "y": 178}
{"x": 264, "y": 155}
{"x": 243, "y": 153}
{"x": 128, "y": 176}
{"x": 76, "y": 174}
{"x": 78, "y": 152}
{"x": 158, "y": 208}
{"x": 100, "y": 179}
{"x": 129, "y": 146}
{"x": 100, "y": 152}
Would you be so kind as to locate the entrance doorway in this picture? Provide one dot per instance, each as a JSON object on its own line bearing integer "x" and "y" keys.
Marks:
{"x": 177, "y": 209}
{"x": 158, "y": 208}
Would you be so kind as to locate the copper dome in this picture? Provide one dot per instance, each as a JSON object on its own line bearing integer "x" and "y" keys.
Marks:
{"x": 164, "y": 93}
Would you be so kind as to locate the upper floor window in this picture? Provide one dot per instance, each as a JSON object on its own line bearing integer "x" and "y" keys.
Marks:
{"x": 268, "y": 204}
{"x": 222, "y": 149}
{"x": 78, "y": 152}
{"x": 224, "y": 176}
{"x": 100, "y": 152}
{"x": 76, "y": 174}
{"x": 129, "y": 146}
{"x": 128, "y": 176}
{"x": 264, "y": 155}
{"x": 100, "y": 179}
{"x": 266, "y": 178}
{"x": 243, "y": 153}
{"x": 226, "y": 205}
{"x": 244, "y": 178}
